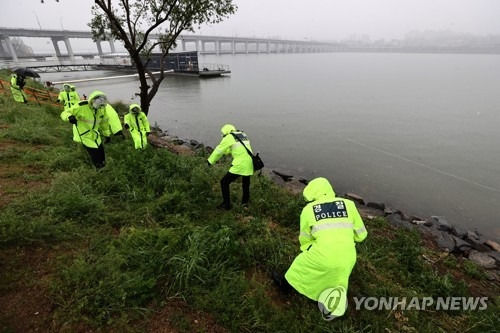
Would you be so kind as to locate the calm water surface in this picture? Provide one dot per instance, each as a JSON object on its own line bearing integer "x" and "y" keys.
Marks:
{"x": 416, "y": 131}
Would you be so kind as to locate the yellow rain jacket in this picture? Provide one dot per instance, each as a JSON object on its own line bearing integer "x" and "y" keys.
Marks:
{"x": 16, "y": 89}
{"x": 138, "y": 126}
{"x": 112, "y": 122}
{"x": 69, "y": 98}
{"x": 89, "y": 121}
{"x": 329, "y": 226}
{"x": 242, "y": 162}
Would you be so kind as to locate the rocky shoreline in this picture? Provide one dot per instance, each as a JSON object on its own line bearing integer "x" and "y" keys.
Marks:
{"x": 469, "y": 244}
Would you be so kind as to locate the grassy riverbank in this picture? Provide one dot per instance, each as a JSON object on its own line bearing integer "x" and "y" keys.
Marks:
{"x": 139, "y": 246}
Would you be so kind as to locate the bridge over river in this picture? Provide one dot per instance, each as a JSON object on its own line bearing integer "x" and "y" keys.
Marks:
{"x": 200, "y": 43}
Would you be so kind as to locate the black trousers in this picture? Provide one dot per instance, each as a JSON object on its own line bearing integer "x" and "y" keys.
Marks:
{"x": 97, "y": 156}
{"x": 281, "y": 282}
{"x": 227, "y": 180}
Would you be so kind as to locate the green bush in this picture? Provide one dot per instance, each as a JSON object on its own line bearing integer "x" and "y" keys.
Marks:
{"x": 117, "y": 276}
{"x": 24, "y": 230}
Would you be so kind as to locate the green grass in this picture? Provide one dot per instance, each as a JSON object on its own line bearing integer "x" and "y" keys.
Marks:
{"x": 473, "y": 270}
{"x": 150, "y": 233}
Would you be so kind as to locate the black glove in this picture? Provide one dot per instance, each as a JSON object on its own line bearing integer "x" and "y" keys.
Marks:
{"x": 72, "y": 119}
{"x": 209, "y": 164}
{"x": 147, "y": 133}
{"x": 126, "y": 126}
{"x": 107, "y": 139}
{"x": 58, "y": 101}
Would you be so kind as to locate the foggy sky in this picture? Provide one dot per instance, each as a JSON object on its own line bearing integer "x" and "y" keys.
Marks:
{"x": 293, "y": 19}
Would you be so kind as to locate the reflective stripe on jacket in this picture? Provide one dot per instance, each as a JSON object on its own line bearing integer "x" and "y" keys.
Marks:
{"x": 69, "y": 98}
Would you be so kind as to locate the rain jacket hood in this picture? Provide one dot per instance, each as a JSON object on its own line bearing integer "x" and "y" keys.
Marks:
{"x": 228, "y": 128}
{"x": 134, "y": 106}
{"x": 94, "y": 94}
{"x": 317, "y": 188}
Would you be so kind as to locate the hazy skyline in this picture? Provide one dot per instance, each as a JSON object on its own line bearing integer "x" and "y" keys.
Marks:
{"x": 292, "y": 19}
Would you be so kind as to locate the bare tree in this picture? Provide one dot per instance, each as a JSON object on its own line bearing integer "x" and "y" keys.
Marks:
{"x": 133, "y": 22}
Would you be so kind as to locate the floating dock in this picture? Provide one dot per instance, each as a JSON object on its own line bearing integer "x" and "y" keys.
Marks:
{"x": 186, "y": 63}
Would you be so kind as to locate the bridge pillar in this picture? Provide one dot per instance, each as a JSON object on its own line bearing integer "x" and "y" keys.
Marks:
{"x": 99, "y": 47}
{"x": 217, "y": 47}
{"x": 3, "y": 53}
{"x": 246, "y": 47}
{"x": 233, "y": 47}
{"x": 268, "y": 47}
{"x": 56, "y": 47}
{"x": 197, "y": 45}
{"x": 112, "y": 45}
{"x": 203, "y": 46}
{"x": 69, "y": 49}
{"x": 183, "y": 45}
{"x": 10, "y": 48}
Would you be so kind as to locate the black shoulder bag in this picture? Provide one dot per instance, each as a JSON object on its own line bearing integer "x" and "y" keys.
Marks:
{"x": 256, "y": 160}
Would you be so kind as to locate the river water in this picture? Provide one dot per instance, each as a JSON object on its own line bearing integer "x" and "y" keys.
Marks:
{"x": 419, "y": 132}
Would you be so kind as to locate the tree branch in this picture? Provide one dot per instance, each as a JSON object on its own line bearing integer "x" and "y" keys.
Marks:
{"x": 126, "y": 7}
{"x": 158, "y": 22}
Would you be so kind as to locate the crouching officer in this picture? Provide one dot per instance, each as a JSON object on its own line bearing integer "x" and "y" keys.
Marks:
{"x": 91, "y": 120}
{"x": 329, "y": 228}
{"x": 137, "y": 123}
{"x": 242, "y": 163}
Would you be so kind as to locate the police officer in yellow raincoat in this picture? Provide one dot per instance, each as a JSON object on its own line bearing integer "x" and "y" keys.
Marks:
{"x": 242, "y": 163}
{"x": 329, "y": 228}
{"x": 69, "y": 97}
{"x": 17, "y": 83}
{"x": 91, "y": 120}
{"x": 137, "y": 123}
